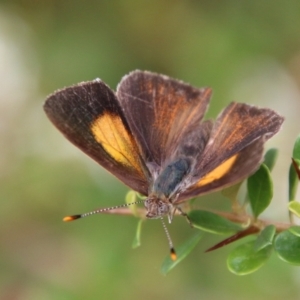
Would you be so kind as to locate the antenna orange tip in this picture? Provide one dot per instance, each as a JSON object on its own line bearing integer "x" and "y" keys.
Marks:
{"x": 71, "y": 218}
{"x": 173, "y": 254}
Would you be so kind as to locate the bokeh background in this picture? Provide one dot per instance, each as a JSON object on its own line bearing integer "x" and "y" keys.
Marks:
{"x": 247, "y": 51}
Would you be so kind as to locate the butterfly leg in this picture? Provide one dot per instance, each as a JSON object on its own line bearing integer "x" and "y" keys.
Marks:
{"x": 182, "y": 213}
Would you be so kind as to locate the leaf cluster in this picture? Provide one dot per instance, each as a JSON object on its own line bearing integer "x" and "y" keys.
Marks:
{"x": 268, "y": 237}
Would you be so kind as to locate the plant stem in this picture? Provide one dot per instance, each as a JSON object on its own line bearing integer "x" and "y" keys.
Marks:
{"x": 243, "y": 219}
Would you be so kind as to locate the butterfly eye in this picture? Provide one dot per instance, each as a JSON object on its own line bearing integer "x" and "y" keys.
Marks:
{"x": 163, "y": 208}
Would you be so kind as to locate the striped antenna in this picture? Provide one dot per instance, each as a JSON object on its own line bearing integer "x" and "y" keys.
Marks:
{"x": 98, "y": 211}
{"x": 172, "y": 249}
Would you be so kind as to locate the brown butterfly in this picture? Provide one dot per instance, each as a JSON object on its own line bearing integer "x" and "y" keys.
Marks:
{"x": 150, "y": 135}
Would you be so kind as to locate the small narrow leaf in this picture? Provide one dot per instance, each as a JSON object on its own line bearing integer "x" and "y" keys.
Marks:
{"x": 293, "y": 181}
{"x": 295, "y": 230}
{"x": 182, "y": 252}
{"x": 232, "y": 194}
{"x": 270, "y": 158}
{"x": 293, "y": 177}
{"x": 244, "y": 260}
{"x": 260, "y": 190}
{"x": 287, "y": 247}
{"x": 296, "y": 149}
{"x": 213, "y": 223}
{"x": 265, "y": 238}
{"x": 294, "y": 207}
{"x": 296, "y": 163}
{"x": 137, "y": 238}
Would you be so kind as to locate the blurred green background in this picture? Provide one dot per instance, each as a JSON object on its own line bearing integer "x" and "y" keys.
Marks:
{"x": 247, "y": 51}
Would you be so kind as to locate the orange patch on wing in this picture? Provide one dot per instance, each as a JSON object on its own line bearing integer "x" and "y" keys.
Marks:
{"x": 110, "y": 132}
{"x": 218, "y": 172}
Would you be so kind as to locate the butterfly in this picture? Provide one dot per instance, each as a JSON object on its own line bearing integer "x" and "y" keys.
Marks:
{"x": 150, "y": 134}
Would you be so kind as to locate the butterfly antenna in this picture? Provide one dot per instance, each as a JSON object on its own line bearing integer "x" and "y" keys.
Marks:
{"x": 172, "y": 249}
{"x": 98, "y": 211}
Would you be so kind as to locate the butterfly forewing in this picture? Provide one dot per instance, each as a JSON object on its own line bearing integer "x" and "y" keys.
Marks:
{"x": 90, "y": 116}
{"x": 160, "y": 112}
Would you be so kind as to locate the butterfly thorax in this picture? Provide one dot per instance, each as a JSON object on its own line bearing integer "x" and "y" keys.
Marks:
{"x": 166, "y": 187}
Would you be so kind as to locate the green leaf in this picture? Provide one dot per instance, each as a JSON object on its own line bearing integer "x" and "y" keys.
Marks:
{"x": 182, "y": 252}
{"x": 140, "y": 196}
{"x": 232, "y": 194}
{"x": 131, "y": 198}
{"x": 294, "y": 207}
{"x": 244, "y": 259}
{"x": 293, "y": 177}
{"x": 232, "y": 191}
{"x": 260, "y": 190}
{"x": 295, "y": 230}
{"x": 287, "y": 246}
{"x": 293, "y": 180}
{"x": 296, "y": 149}
{"x": 213, "y": 223}
{"x": 270, "y": 158}
{"x": 137, "y": 239}
{"x": 265, "y": 238}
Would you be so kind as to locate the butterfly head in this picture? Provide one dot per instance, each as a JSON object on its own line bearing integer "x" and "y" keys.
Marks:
{"x": 157, "y": 207}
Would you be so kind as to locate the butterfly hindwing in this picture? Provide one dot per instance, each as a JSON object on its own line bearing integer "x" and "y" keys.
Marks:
{"x": 236, "y": 127}
{"x": 234, "y": 149}
{"x": 233, "y": 170}
{"x": 90, "y": 116}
